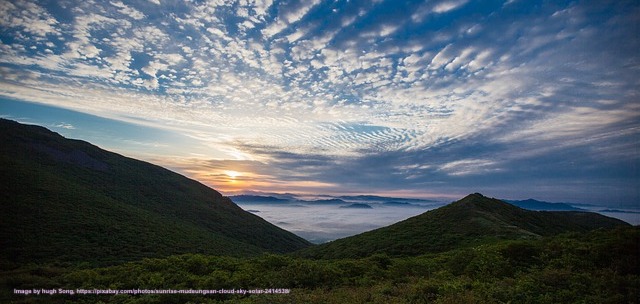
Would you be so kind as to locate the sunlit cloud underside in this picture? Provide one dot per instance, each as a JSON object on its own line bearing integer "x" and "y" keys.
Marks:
{"x": 419, "y": 97}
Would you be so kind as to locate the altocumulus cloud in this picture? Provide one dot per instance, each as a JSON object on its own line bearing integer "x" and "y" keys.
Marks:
{"x": 415, "y": 96}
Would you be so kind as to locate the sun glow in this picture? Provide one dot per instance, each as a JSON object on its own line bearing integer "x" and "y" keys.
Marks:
{"x": 232, "y": 174}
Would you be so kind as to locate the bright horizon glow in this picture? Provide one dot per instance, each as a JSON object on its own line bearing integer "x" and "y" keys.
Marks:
{"x": 513, "y": 99}
{"x": 232, "y": 174}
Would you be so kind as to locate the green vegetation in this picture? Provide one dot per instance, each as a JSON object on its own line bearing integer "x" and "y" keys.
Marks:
{"x": 66, "y": 200}
{"x": 597, "y": 267}
{"x": 74, "y": 217}
{"x": 470, "y": 221}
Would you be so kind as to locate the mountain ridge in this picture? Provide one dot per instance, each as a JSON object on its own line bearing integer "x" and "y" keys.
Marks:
{"x": 473, "y": 219}
{"x": 70, "y": 200}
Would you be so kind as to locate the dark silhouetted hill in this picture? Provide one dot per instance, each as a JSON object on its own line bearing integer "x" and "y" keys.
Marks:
{"x": 67, "y": 200}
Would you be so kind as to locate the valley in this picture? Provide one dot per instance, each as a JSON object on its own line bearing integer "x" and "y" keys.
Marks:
{"x": 81, "y": 224}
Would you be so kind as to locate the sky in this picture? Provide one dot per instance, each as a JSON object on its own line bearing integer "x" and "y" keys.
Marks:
{"x": 433, "y": 99}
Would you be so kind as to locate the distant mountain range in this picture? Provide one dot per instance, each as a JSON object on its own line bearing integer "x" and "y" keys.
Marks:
{"x": 475, "y": 219}
{"x": 358, "y": 206}
{"x": 529, "y": 204}
{"x": 337, "y": 200}
{"x": 257, "y": 199}
{"x": 532, "y": 204}
{"x": 67, "y": 200}
{"x": 619, "y": 211}
{"x": 384, "y": 199}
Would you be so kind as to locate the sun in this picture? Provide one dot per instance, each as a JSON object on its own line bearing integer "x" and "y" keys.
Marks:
{"x": 232, "y": 174}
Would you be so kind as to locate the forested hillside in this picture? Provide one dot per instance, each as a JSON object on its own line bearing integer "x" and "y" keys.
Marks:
{"x": 475, "y": 219}
{"x": 596, "y": 267}
{"x": 67, "y": 200}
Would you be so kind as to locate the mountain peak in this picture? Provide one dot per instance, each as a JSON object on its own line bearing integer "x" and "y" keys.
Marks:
{"x": 481, "y": 202}
{"x": 474, "y": 219}
{"x": 472, "y": 198}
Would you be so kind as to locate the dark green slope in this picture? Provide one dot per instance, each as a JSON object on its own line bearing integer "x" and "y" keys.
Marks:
{"x": 68, "y": 200}
{"x": 472, "y": 220}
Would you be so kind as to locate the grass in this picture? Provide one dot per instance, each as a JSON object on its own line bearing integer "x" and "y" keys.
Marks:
{"x": 595, "y": 267}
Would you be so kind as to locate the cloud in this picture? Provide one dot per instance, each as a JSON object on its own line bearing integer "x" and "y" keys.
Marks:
{"x": 470, "y": 167}
{"x": 446, "y": 6}
{"x": 128, "y": 11}
{"x": 29, "y": 17}
{"x": 65, "y": 126}
{"x": 295, "y": 15}
{"x": 274, "y": 28}
{"x": 438, "y": 7}
{"x": 288, "y": 16}
{"x": 345, "y": 84}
